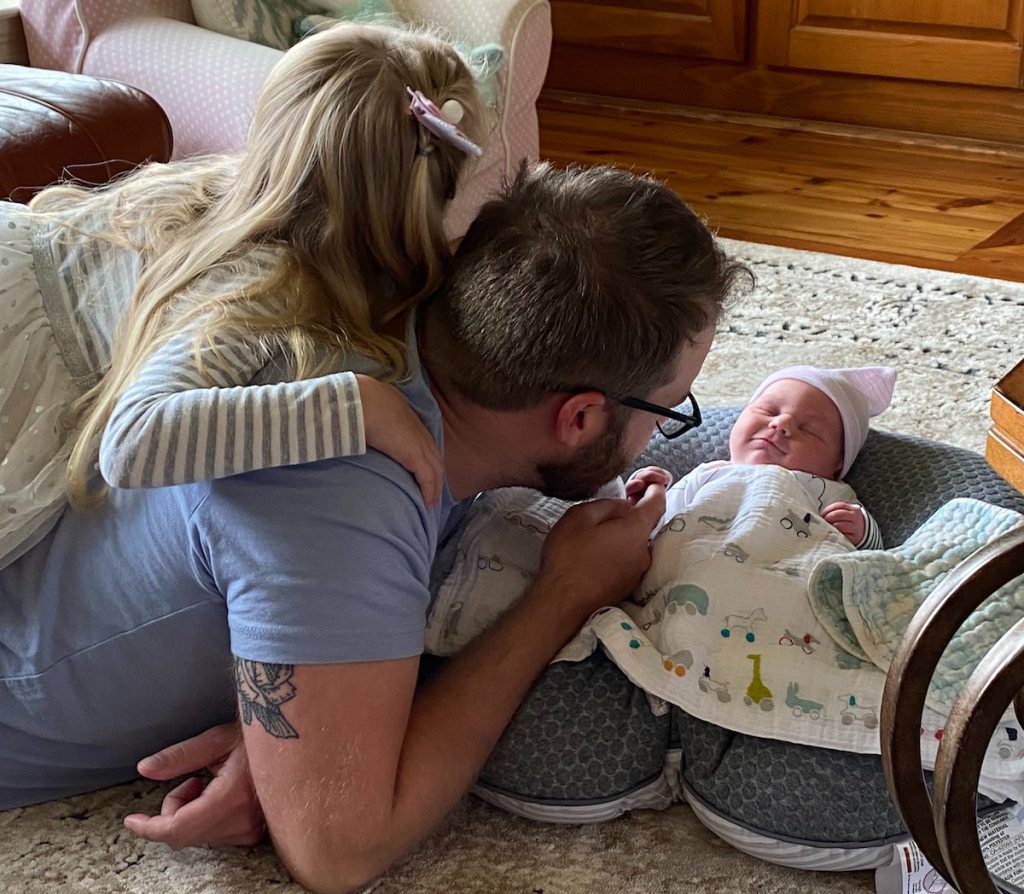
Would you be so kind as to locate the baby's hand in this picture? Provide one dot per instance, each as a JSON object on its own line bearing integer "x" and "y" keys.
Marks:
{"x": 643, "y": 478}
{"x": 847, "y": 519}
{"x": 392, "y": 427}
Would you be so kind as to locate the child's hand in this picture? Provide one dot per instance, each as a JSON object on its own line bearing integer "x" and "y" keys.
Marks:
{"x": 641, "y": 479}
{"x": 847, "y": 519}
{"x": 392, "y": 427}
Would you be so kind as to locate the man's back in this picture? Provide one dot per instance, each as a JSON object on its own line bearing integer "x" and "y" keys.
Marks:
{"x": 83, "y": 620}
{"x": 116, "y": 631}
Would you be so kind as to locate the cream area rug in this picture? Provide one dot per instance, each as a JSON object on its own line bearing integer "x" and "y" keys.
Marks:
{"x": 950, "y": 337}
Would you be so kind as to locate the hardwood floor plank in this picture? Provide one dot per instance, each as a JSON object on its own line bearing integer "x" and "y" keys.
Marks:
{"x": 710, "y": 175}
{"x": 936, "y": 202}
{"x": 1011, "y": 233}
{"x": 869, "y": 198}
{"x": 866, "y": 212}
{"x": 953, "y": 175}
{"x": 814, "y": 221}
{"x": 1001, "y": 263}
{"x": 752, "y": 129}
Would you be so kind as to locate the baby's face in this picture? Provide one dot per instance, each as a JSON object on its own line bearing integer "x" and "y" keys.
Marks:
{"x": 793, "y": 425}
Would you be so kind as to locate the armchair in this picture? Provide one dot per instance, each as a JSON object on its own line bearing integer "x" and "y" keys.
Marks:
{"x": 207, "y": 82}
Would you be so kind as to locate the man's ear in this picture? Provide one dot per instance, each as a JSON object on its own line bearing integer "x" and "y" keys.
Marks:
{"x": 580, "y": 418}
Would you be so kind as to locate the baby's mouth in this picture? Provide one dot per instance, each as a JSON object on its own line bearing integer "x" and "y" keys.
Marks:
{"x": 769, "y": 442}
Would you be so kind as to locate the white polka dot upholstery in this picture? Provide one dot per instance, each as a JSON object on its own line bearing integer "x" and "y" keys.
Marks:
{"x": 59, "y": 31}
{"x": 207, "y": 82}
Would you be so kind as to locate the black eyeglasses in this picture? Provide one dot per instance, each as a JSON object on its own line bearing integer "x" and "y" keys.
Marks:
{"x": 673, "y": 422}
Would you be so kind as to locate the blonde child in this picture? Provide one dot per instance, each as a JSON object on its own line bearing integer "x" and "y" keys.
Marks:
{"x": 809, "y": 420}
{"x": 192, "y": 321}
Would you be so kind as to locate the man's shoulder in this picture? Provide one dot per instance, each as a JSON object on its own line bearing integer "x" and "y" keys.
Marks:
{"x": 359, "y": 509}
{"x": 370, "y": 486}
{"x": 349, "y": 540}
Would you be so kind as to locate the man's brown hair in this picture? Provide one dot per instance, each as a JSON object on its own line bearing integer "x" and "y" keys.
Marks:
{"x": 576, "y": 278}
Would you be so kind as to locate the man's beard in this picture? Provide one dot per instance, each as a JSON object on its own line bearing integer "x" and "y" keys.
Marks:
{"x": 593, "y": 466}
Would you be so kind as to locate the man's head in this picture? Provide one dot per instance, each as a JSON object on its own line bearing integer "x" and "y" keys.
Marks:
{"x": 810, "y": 419}
{"x": 581, "y": 282}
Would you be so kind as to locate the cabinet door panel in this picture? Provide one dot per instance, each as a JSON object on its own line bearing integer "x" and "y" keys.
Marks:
{"x": 712, "y": 29}
{"x": 960, "y": 41}
{"x": 974, "y": 14}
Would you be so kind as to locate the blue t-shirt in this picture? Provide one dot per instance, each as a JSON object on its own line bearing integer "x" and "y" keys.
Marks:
{"x": 116, "y": 631}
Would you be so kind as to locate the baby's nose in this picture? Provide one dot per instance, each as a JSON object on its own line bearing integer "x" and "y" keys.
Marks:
{"x": 783, "y": 422}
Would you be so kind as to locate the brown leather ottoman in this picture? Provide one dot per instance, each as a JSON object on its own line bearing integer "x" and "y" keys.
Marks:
{"x": 56, "y": 126}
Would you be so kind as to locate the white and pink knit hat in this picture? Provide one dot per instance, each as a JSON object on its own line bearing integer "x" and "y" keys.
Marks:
{"x": 859, "y": 393}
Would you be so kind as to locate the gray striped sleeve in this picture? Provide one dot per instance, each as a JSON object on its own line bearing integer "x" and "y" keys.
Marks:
{"x": 872, "y": 533}
{"x": 171, "y": 426}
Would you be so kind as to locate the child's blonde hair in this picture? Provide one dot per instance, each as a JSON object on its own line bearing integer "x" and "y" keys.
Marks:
{"x": 338, "y": 173}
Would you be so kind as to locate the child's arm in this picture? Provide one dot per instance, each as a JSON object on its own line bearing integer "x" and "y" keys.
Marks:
{"x": 392, "y": 427}
{"x": 855, "y": 523}
{"x": 171, "y": 426}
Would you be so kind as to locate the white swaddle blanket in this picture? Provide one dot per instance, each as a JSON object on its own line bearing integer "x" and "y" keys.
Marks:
{"x": 722, "y": 625}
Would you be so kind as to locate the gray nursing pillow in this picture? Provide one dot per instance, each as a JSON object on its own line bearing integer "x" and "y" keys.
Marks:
{"x": 585, "y": 743}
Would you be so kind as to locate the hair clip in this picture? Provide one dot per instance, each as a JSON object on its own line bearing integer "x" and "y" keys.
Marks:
{"x": 431, "y": 117}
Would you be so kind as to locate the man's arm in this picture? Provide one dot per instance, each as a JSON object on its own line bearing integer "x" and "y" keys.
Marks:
{"x": 352, "y": 765}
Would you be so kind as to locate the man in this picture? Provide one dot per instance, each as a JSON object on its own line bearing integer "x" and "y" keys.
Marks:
{"x": 572, "y": 296}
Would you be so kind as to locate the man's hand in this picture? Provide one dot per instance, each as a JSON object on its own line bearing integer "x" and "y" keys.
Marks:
{"x": 848, "y": 520}
{"x": 599, "y": 550}
{"x": 641, "y": 479}
{"x": 223, "y": 812}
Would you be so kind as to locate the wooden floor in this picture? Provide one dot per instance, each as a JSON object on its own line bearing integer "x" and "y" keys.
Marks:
{"x": 903, "y": 198}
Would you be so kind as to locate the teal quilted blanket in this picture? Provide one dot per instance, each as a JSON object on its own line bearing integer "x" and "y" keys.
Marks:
{"x": 865, "y": 600}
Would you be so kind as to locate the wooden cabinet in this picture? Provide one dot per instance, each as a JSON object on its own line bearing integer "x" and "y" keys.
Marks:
{"x": 960, "y": 41}
{"x": 951, "y": 67}
{"x": 1004, "y": 448}
{"x": 714, "y": 29}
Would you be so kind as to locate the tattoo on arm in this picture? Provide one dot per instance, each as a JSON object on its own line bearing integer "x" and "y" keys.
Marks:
{"x": 262, "y": 689}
